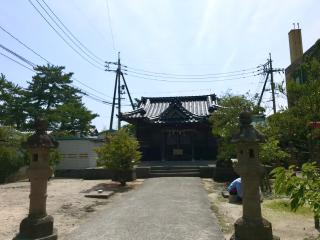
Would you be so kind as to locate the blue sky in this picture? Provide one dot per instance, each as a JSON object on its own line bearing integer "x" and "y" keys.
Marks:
{"x": 171, "y": 36}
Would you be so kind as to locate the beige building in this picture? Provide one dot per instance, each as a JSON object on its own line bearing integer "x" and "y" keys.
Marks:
{"x": 294, "y": 71}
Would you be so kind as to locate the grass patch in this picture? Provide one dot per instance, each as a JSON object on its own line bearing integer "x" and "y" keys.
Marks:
{"x": 284, "y": 206}
{"x": 312, "y": 238}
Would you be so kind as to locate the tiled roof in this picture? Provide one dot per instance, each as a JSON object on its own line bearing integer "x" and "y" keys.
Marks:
{"x": 164, "y": 109}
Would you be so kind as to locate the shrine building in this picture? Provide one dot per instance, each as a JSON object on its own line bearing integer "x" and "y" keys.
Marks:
{"x": 175, "y": 128}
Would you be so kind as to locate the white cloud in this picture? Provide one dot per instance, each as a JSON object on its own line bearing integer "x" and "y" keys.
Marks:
{"x": 209, "y": 21}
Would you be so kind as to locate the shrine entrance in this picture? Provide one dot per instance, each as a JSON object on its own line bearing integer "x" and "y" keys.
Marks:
{"x": 179, "y": 146}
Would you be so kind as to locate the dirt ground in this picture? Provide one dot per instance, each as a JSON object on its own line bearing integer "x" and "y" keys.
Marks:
{"x": 286, "y": 225}
{"x": 66, "y": 203}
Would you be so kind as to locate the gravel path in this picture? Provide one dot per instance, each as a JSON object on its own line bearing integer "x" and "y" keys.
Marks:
{"x": 161, "y": 209}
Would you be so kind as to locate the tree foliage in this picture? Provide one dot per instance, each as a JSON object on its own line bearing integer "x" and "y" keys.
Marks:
{"x": 307, "y": 94}
{"x": 13, "y": 104}
{"x": 271, "y": 153}
{"x": 73, "y": 116}
{"x": 291, "y": 127}
{"x": 302, "y": 189}
{"x": 225, "y": 122}
{"x": 130, "y": 128}
{"x": 50, "y": 88}
{"x": 49, "y": 95}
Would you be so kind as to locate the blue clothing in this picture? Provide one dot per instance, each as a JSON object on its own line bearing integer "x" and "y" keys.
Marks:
{"x": 236, "y": 184}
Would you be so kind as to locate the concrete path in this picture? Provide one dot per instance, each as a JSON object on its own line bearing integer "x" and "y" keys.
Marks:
{"x": 161, "y": 209}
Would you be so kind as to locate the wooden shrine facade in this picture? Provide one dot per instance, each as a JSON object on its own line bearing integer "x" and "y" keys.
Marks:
{"x": 174, "y": 128}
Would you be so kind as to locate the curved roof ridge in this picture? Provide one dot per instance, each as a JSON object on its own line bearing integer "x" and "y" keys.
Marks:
{"x": 138, "y": 110}
{"x": 180, "y": 107}
{"x": 170, "y": 98}
{"x": 188, "y": 109}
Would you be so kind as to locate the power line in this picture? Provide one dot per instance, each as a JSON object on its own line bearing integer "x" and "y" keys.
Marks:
{"x": 84, "y": 92}
{"x": 110, "y": 25}
{"x": 196, "y": 75}
{"x": 91, "y": 88}
{"x": 18, "y": 56}
{"x": 260, "y": 83}
{"x": 23, "y": 44}
{"x": 168, "y": 63}
{"x": 198, "y": 81}
{"x": 268, "y": 70}
{"x": 17, "y": 62}
{"x": 67, "y": 35}
{"x": 119, "y": 90}
{"x": 38, "y": 54}
{"x": 85, "y": 17}
{"x": 91, "y": 95}
{"x": 98, "y": 100}
{"x": 56, "y": 31}
{"x": 178, "y": 91}
{"x": 68, "y": 30}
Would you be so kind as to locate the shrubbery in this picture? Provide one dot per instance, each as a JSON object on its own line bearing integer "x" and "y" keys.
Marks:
{"x": 272, "y": 154}
{"x": 120, "y": 152}
{"x": 302, "y": 189}
{"x": 12, "y": 156}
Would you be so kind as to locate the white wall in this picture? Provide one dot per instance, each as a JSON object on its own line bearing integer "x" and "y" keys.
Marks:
{"x": 77, "y": 154}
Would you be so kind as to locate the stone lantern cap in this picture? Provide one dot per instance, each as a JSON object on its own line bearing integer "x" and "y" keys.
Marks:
{"x": 40, "y": 139}
{"x": 247, "y": 132}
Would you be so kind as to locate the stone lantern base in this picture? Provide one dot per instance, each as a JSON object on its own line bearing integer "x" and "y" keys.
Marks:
{"x": 253, "y": 230}
{"x": 37, "y": 229}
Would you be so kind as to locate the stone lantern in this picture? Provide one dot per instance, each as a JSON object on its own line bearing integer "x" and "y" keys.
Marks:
{"x": 251, "y": 226}
{"x": 38, "y": 225}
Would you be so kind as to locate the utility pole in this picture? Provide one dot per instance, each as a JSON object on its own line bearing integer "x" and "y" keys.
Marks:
{"x": 118, "y": 90}
{"x": 268, "y": 70}
{"x": 272, "y": 85}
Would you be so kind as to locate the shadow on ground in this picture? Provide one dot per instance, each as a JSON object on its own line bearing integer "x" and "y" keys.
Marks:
{"x": 112, "y": 186}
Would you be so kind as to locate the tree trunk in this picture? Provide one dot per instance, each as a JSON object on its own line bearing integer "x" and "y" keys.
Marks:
{"x": 316, "y": 222}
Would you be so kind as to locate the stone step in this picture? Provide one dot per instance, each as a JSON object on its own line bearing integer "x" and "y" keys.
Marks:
{"x": 175, "y": 174}
{"x": 197, "y": 170}
{"x": 173, "y": 167}
{"x": 175, "y": 171}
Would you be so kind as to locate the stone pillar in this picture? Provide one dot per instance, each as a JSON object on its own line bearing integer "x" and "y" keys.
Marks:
{"x": 38, "y": 225}
{"x": 251, "y": 226}
{"x": 163, "y": 146}
{"x": 192, "y": 136}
